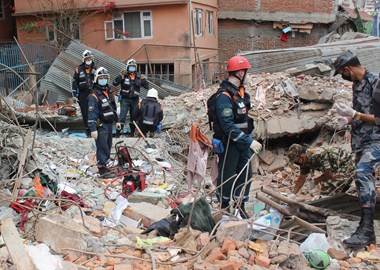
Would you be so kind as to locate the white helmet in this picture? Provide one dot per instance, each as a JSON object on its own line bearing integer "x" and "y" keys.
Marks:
{"x": 101, "y": 72}
{"x": 152, "y": 93}
{"x": 131, "y": 62}
{"x": 87, "y": 53}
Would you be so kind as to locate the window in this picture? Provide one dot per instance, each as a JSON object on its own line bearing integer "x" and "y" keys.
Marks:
{"x": 159, "y": 71}
{"x": 198, "y": 22}
{"x": 129, "y": 25}
{"x": 51, "y": 32}
{"x": 210, "y": 22}
{"x": 65, "y": 27}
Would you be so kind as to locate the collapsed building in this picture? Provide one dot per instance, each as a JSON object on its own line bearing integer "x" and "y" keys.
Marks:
{"x": 74, "y": 220}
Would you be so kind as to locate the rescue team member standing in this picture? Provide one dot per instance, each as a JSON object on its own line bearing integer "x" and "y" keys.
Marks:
{"x": 365, "y": 139}
{"x": 336, "y": 165}
{"x": 129, "y": 94}
{"x": 82, "y": 84}
{"x": 232, "y": 127}
{"x": 102, "y": 113}
{"x": 148, "y": 113}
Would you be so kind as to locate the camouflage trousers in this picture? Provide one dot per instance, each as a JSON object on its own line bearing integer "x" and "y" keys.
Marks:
{"x": 366, "y": 162}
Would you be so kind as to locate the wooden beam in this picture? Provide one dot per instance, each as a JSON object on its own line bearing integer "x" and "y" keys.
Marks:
{"x": 22, "y": 163}
{"x": 15, "y": 247}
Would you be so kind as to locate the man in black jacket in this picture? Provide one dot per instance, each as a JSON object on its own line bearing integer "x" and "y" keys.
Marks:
{"x": 129, "y": 94}
{"x": 82, "y": 84}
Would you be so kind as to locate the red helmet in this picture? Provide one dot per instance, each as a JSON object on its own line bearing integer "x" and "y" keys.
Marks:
{"x": 237, "y": 63}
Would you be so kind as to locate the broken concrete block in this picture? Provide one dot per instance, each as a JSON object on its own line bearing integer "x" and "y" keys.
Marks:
{"x": 148, "y": 197}
{"x": 60, "y": 232}
{"x": 93, "y": 224}
{"x": 147, "y": 212}
{"x": 237, "y": 230}
{"x": 279, "y": 259}
{"x": 279, "y": 126}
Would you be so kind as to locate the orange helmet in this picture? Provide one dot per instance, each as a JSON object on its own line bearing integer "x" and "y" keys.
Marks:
{"x": 237, "y": 63}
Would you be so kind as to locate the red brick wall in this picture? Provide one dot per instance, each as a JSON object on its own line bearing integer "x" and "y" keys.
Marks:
{"x": 235, "y": 36}
{"x": 304, "y": 6}
{"x": 237, "y": 5}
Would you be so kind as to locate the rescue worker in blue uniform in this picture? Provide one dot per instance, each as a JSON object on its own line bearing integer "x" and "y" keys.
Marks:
{"x": 233, "y": 128}
{"x": 364, "y": 118}
{"x": 148, "y": 114}
{"x": 130, "y": 81}
{"x": 82, "y": 84}
{"x": 101, "y": 115}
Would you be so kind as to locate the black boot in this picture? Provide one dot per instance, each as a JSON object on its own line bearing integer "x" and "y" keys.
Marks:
{"x": 364, "y": 234}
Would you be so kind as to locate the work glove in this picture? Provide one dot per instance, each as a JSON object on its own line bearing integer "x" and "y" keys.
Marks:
{"x": 256, "y": 146}
{"x": 344, "y": 110}
{"x": 75, "y": 92}
{"x": 94, "y": 135}
{"x": 159, "y": 128}
{"x": 118, "y": 126}
{"x": 341, "y": 122}
{"x": 120, "y": 97}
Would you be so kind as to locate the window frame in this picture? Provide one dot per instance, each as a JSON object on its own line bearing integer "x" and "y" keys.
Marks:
{"x": 198, "y": 27}
{"x": 210, "y": 22}
{"x": 121, "y": 16}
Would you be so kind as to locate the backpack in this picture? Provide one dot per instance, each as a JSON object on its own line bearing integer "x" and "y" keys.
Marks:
{"x": 211, "y": 107}
{"x": 150, "y": 112}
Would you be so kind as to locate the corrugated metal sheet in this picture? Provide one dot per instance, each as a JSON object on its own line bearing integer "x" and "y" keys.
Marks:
{"x": 59, "y": 76}
{"x": 367, "y": 49}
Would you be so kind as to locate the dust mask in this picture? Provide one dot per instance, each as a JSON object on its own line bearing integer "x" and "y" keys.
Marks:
{"x": 102, "y": 82}
{"x": 89, "y": 62}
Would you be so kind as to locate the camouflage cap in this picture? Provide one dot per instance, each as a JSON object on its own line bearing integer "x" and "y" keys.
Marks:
{"x": 293, "y": 152}
{"x": 345, "y": 59}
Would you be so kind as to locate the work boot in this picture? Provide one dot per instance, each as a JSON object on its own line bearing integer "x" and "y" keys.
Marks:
{"x": 364, "y": 234}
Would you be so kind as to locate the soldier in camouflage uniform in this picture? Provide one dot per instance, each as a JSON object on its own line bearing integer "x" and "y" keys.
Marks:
{"x": 336, "y": 165}
{"x": 365, "y": 130}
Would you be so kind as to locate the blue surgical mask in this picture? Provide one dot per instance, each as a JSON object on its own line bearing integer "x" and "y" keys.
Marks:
{"x": 132, "y": 69}
{"x": 102, "y": 82}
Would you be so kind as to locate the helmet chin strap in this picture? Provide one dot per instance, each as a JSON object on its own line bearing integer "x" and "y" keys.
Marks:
{"x": 242, "y": 79}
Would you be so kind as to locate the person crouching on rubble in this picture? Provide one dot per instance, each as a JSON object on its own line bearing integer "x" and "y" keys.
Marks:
{"x": 149, "y": 114}
{"x": 232, "y": 128}
{"x": 364, "y": 117}
{"x": 101, "y": 115}
{"x": 335, "y": 164}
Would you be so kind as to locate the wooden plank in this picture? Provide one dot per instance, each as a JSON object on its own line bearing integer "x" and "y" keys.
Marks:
{"x": 22, "y": 163}
{"x": 15, "y": 247}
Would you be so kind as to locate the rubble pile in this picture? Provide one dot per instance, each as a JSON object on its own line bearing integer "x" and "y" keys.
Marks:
{"x": 56, "y": 213}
